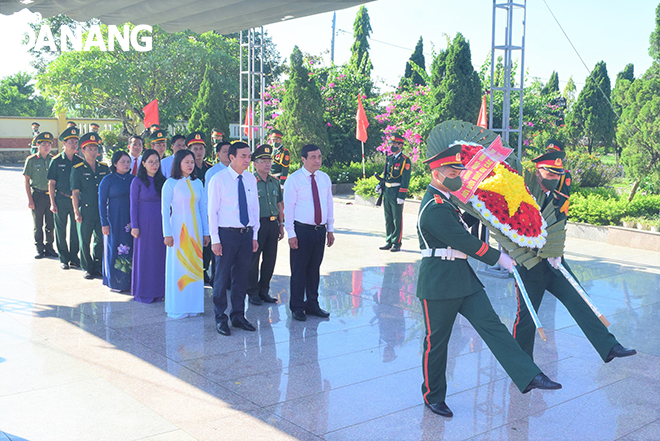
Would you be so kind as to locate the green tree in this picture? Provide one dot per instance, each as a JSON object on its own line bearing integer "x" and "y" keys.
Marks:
{"x": 302, "y": 105}
{"x": 654, "y": 39}
{"x": 552, "y": 85}
{"x": 639, "y": 131}
{"x": 623, "y": 81}
{"x": 209, "y": 109}
{"x": 591, "y": 122}
{"x": 455, "y": 84}
{"x": 119, "y": 84}
{"x": 18, "y": 98}
{"x": 360, "y": 49}
{"x": 411, "y": 77}
{"x": 569, "y": 93}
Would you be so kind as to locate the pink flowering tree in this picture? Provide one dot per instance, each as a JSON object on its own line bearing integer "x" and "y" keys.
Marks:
{"x": 411, "y": 115}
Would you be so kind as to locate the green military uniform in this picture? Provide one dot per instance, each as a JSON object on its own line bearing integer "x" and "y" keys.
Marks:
{"x": 397, "y": 179}
{"x": 281, "y": 159}
{"x": 543, "y": 276}
{"x": 36, "y": 168}
{"x": 270, "y": 195}
{"x": 86, "y": 180}
{"x": 201, "y": 172}
{"x": 562, "y": 193}
{"x": 60, "y": 172}
{"x": 281, "y": 162}
{"x": 33, "y": 144}
{"x": 449, "y": 287}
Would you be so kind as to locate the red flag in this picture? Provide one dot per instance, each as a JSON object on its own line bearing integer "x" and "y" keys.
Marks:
{"x": 362, "y": 122}
{"x": 483, "y": 114}
{"x": 151, "y": 114}
{"x": 248, "y": 122}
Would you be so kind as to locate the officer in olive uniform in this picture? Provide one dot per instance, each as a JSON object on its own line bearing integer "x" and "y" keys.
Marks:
{"x": 546, "y": 276}
{"x": 36, "y": 186}
{"x": 196, "y": 144}
{"x": 447, "y": 285}
{"x": 271, "y": 230}
{"x": 281, "y": 157}
{"x": 563, "y": 190}
{"x": 85, "y": 179}
{"x": 59, "y": 190}
{"x": 397, "y": 178}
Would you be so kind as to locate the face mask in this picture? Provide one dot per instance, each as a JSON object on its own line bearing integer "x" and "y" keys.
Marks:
{"x": 452, "y": 184}
{"x": 277, "y": 144}
{"x": 550, "y": 184}
{"x": 394, "y": 149}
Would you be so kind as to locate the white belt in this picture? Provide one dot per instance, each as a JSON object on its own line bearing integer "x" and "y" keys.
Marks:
{"x": 392, "y": 184}
{"x": 444, "y": 253}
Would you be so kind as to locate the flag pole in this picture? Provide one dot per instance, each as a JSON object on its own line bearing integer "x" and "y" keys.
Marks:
{"x": 363, "y": 175}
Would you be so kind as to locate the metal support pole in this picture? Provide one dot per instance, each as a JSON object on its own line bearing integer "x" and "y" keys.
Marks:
{"x": 252, "y": 87}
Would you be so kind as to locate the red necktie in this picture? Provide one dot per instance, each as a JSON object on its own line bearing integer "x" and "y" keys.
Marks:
{"x": 134, "y": 172}
{"x": 317, "y": 201}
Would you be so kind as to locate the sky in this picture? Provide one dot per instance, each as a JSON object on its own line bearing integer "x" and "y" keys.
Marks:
{"x": 612, "y": 31}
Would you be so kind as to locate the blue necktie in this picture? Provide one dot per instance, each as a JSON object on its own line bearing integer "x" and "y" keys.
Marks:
{"x": 242, "y": 203}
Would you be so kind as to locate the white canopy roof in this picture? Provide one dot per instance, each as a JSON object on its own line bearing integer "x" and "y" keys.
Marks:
{"x": 224, "y": 16}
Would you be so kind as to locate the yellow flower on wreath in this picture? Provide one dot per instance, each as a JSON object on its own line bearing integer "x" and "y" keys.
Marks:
{"x": 511, "y": 186}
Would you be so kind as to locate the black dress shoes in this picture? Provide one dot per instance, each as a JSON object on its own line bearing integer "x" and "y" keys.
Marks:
{"x": 223, "y": 328}
{"x": 64, "y": 265}
{"x": 619, "y": 351}
{"x": 51, "y": 252}
{"x": 441, "y": 409}
{"x": 541, "y": 381}
{"x": 242, "y": 323}
{"x": 74, "y": 264}
{"x": 98, "y": 274}
{"x": 385, "y": 247}
{"x": 267, "y": 299}
{"x": 395, "y": 249}
{"x": 255, "y": 300}
{"x": 317, "y": 312}
{"x": 87, "y": 275}
{"x": 40, "y": 255}
{"x": 299, "y": 315}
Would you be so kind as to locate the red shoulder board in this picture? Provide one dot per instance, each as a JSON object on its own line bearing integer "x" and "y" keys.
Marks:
{"x": 438, "y": 199}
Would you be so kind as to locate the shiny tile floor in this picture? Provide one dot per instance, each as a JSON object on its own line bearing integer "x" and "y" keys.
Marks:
{"x": 78, "y": 362}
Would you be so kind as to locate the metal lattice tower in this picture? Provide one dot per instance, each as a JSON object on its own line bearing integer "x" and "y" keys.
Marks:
{"x": 252, "y": 86}
{"x": 513, "y": 15}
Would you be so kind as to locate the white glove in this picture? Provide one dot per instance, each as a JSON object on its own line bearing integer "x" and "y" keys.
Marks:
{"x": 379, "y": 189}
{"x": 399, "y": 201}
{"x": 554, "y": 262}
{"x": 506, "y": 262}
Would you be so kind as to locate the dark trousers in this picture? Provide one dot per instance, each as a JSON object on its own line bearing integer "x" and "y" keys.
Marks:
{"x": 208, "y": 259}
{"x": 393, "y": 216}
{"x": 90, "y": 236}
{"x": 269, "y": 232}
{"x": 231, "y": 270}
{"x": 439, "y": 317}
{"x": 68, "y": 252}
{"x": 42, "y": 217}
{"x": 543, "y": 277}
{"x": 305, "y": 266}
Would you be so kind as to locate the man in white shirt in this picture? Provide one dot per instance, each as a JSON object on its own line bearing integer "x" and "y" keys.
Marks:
{"x": 178, "y": 143}
{"x": 308, "y": 214}
{"x": 233, "y": 207}
{"x": 135, "y": 144}
{"x": 222, "y": 153}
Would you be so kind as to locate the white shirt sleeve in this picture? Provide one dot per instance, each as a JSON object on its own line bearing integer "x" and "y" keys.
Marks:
{"x": 202, "y": 207}
{"x": 290, "y": 199}
{"x": 213, "y": 203}
{"x": 253, "y": 205}
{"x": 167, "y": 194}
{"x": 330, "y": 221}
